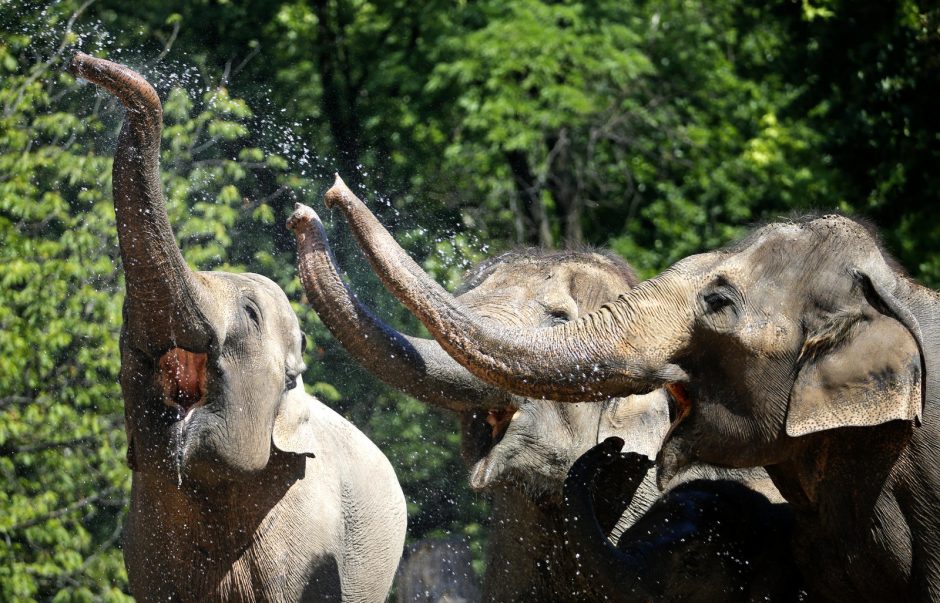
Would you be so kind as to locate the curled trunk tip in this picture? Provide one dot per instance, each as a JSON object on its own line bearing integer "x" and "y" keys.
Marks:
{"x": 413, "y": 365}
{"x": 302, "y": 216}
{"x": 339, "y": 194}
{"x": 135, "y": 93}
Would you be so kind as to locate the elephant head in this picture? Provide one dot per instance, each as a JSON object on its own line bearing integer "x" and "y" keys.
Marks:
{"x": 506, "y": 439}
{"x": 210, "y": 361}
{"x": 802, "y": 327}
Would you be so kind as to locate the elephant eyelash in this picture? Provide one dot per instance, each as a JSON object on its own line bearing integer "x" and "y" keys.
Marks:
{"x": 290, "y": 382}
{"x": 717, "y": 301}
{"x": 253, "y": 314}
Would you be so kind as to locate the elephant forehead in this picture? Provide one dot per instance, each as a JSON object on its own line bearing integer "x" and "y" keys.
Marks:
{"x": 270, "y": 298}
{"x": 519, "y": 311}
{"x": 522, "y": 276}
{"x": 233, "y": 283}
{"x": 549, "y": 425}
{"x": 261, "y": 284}
{"x": 593, "y": 286}
{"x": 526, "y": 303}
{"x": 589, "y": 284}
{"x": 829, "y": 238}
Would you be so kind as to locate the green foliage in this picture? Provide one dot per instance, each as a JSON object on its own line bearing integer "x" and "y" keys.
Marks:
{"x": 62, "y": 443}
{"x": 61, "y": 439}
{"x": 870, "y": 73}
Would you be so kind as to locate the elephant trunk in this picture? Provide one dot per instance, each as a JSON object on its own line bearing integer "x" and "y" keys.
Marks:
{"x": 616, "y": 575}
{"x": 592, "y": 358}
{"x": 416, "y": 366}
{"x": 162, "y": 307}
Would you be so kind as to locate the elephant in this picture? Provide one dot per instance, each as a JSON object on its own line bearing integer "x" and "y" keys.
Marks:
{"x": 521, "y": 449}
{"x": 702, "y": 540}
{"x": 244, "y": 487}
{"x": 803, "y": 348}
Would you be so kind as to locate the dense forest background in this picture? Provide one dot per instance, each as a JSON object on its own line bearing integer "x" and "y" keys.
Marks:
{"x": 656, "y": 128}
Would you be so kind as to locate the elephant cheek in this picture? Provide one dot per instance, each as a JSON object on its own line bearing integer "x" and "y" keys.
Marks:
{"x": 246, "y": 442}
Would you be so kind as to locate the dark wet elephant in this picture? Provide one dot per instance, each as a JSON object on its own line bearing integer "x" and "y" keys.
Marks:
{"x": 244, "y": 487}
{"x": 802, "y": 348}
{"x": 704, "y": 539}
{"x": 519, "y": 449}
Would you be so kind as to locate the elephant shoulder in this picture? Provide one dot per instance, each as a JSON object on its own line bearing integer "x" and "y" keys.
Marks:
{"x": 343, "y": 447}
{"x": 351, "y": 495}
{"x": 338, "y": 437}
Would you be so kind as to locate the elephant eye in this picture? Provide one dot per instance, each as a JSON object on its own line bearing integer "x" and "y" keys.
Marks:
{"x": 253, "y": 314}
{"x": 290, "y": 381}
{"x": 558, "y": 317}
{"x": 717, "y": 301}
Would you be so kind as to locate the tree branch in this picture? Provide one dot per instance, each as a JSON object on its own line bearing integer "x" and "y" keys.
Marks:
{"x": 78, "y": 504}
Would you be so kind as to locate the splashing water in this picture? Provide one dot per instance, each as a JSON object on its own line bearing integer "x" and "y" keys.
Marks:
{"x": 180, "y": 426}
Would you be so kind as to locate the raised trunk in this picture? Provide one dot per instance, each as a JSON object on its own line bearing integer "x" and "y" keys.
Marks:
{"x": 591, "y": 359}
{"x": 161, "y": 307}
{"x": 416, "y": 366}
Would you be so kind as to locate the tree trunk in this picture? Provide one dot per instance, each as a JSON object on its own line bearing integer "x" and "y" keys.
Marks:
{"x": 339, "y": 94}
{"x": 438, "y": 571}
{"x": 562, "y": 183}
{"x": 535, "y": 218}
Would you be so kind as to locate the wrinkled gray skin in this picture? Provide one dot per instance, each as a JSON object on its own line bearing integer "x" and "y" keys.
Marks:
{"x": 244, "y": 488}
{"x": 802, "y": 348}
{"x": 519, "y": 449}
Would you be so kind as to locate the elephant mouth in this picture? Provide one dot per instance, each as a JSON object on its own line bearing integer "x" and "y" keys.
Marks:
{"x": 681, "y": 403}
{"x": 489, "y": 466}
{"x": 498, "y": 419}
{"x": 183, "y": 380}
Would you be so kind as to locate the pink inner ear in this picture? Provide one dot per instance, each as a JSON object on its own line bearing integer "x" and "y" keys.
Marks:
{"x": 183, "y": 376}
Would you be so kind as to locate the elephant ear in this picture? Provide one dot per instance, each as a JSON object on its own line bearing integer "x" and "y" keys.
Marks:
{"x": 293, "y": 425}
{"x": 859, "y": 369}
{"x": 640, "y": 421}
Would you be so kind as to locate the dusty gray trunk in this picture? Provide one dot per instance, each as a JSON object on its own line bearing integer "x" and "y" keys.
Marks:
{"x": 592, "y": 358}
{"x": 162, "y": 306}
{"x": 416, "y": 366}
